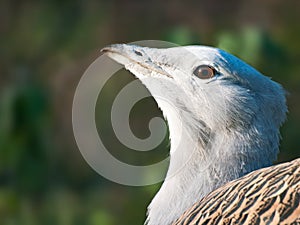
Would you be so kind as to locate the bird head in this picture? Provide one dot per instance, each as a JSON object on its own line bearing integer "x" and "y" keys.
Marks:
{"x": 211, "y": 89}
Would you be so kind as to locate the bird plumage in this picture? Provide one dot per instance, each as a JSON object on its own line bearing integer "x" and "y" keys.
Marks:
{"x": 266, "y": 196}
{"x": 222, "y": 126}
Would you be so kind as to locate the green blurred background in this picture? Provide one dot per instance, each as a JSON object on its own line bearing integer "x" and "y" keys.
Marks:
{"x": 45, "y": 46}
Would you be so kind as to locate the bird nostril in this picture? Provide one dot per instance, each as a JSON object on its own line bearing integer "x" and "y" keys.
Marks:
{"x": 138, "y": 53}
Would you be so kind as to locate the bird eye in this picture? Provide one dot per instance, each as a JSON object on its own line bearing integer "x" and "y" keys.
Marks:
{"x": 204, "y": 72}
{"x": 138, "y": 53}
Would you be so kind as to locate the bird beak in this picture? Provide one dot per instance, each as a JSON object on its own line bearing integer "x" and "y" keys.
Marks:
{"x": 132, "y": 55}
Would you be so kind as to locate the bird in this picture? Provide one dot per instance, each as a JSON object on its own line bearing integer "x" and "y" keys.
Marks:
{"x": 224, "y": 118}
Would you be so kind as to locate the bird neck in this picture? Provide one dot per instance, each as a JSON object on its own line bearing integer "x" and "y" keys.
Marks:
{"x": 198, "y": 166}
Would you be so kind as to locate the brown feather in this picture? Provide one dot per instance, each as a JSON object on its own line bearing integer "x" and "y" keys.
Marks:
{"x": 266, "y": 196}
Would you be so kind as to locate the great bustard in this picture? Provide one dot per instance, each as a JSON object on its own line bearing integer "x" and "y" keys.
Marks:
{"x": 224, "y": 124}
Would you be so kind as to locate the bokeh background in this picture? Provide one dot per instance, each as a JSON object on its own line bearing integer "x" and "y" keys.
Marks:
{"x": 45, "y": 46}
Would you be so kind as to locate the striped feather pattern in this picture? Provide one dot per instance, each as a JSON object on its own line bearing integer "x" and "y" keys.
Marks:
{"x": 266, "y": 196}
